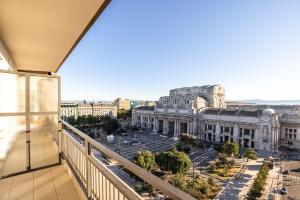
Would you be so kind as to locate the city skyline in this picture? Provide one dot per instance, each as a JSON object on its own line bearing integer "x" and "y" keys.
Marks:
{"x": 250, "y": 48}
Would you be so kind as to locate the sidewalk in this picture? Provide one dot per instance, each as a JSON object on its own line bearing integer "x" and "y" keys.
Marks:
{"x": 273, "y": 185}
{"x": 237, "y": 188}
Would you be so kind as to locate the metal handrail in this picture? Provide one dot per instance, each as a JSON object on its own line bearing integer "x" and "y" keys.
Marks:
{"x": 153, "y": 180}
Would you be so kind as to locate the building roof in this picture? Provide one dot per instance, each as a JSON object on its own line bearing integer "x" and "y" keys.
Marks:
{"x": 39, "y": 35}
{"x": 148, "y": 108}
{"x": 234, "y": 112}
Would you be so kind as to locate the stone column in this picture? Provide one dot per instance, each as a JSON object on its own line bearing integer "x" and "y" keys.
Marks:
{"x": 218, "y": 131}
{"x": 235, "y": 133}
{"x": 141, "y": 121}
{"x": 165, "y": 129}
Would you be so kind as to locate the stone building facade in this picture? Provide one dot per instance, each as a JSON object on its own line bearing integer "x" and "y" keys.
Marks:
{"x": 201, "y": 112}
{"x": 122, "y": 104}
{"x": 97, "y": 109}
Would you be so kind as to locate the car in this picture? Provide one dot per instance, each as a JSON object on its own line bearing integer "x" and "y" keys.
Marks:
{"x": 124, "y": 134}
{"x": 135, "y": 143}
{"x": 283, "y": 191}
{"x": 125, "y": 142}
{"x": 174, "y": 138}
{"x": 285, "y": 172}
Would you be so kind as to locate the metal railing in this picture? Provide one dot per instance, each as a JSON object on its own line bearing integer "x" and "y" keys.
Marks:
{"x": 97, "y": 181}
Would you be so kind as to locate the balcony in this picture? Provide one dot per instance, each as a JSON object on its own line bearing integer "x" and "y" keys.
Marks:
{"x": 39, "y": 158}
{"x": 43, "y": 157}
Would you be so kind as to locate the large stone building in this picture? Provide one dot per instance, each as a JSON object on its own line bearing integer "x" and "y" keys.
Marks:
{"x": 201, "y": 112}
{"x": 122, "y": 104}
{"x": 95, "y": 109}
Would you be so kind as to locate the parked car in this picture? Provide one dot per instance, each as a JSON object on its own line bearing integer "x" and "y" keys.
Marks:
{"x": 284, "y": 191}
{"x": 125, "y": 142}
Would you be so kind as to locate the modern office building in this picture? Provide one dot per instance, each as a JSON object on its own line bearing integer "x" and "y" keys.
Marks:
{"x": 201, "y": 112}
{"x": 41, "y": 156}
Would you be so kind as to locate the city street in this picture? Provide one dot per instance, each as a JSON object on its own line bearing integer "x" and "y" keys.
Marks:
{"x": 143, "y": 140}
{"x": 292, "y": 180}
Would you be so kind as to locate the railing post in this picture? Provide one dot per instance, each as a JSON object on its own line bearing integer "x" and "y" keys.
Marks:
{"x": 88, "y": 170}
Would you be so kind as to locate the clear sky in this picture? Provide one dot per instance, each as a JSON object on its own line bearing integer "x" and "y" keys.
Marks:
{"x": 141, "y": 49}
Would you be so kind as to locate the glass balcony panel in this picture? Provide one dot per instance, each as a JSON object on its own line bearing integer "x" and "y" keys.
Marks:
{"x": 44, "y": 140}
{"x": 12, "y": 145}
{"x": 43, "y": 94}
{"x": 12, "y": 90}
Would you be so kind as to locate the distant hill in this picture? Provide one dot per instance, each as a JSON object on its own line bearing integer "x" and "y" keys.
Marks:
{"x": 265, "y": 102}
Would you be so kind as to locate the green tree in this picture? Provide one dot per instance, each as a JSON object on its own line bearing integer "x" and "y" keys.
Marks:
{"x": 230, "y": 148}
{"x": 179, "y": 181}
{"x": 174, "y": 161}
{"x": 111, "y": 125}
{"x": 71, "y": 120}
{"x": 145, "y": 159}
{"x": 202, "y": 185}
{"x": 250, "y": 153}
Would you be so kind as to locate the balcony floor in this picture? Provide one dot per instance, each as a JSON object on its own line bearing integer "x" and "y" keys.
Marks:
{"x": 47, "y": 184}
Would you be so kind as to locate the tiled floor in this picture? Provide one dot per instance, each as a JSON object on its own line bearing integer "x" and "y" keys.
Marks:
{"x": 47, "y": 184}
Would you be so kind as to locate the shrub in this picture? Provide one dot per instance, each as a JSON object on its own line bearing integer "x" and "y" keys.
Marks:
{"x": 179, "y": 181}
{"x": 259, "y": 182}
{"x": 211, "y": 181}
{"x": 138, "y": 188}
{"x": 145, "y": 159}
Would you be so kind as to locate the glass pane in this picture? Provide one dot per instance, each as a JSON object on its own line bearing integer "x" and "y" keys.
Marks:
{"x": 43, "y": 140}
{"x": 12, "y": 145}
{"x": 43, "y": 94}
{"x": 12, "y": 91}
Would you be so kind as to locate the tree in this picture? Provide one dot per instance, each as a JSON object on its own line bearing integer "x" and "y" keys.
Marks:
{"x": 230, "y": 148}
{"x": 145, "y": 159}
{"x": 174, "y": 161}
{"x": 250, "y": 153}
{"x": 111, "y": 125}
{"x": 71, "y": 120}
{"x": 211, "y": 181}
{"x": 203, "y": 186}
{"x": 179, "y": 181}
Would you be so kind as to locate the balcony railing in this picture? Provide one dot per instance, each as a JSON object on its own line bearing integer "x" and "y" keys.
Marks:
{"x": 97, "y": 181}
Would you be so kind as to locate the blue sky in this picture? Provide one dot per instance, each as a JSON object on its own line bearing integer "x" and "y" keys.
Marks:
{"x": 141, "y": 49}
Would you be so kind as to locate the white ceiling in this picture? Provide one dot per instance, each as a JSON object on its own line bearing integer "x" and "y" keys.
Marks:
{"x": 39, "y": 34}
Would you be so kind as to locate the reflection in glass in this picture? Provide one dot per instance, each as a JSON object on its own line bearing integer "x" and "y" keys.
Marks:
{"x": 43, "y": 94}
{"x": 43, "y": 140}
{"x": 12, "y": 145}
{"x": 12, "y": 92}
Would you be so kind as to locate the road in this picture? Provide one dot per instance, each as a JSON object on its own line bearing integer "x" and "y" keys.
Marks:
{"x": 292, "y": 180}
{"x": 201, "y": 158}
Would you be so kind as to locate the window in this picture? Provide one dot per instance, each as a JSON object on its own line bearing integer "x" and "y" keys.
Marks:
{"x": 295, "y": 130}
{"x": 222, "y": 129}
{"x": 226, "y": 129}
{"x": 246, "y": 131}
{"x": 286, "y": 130}
{"x": 231, "y": 132}
{"x": 209, "y": 127}
{"x": 291, "y": 130}
{"x": 294, "y": 136}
